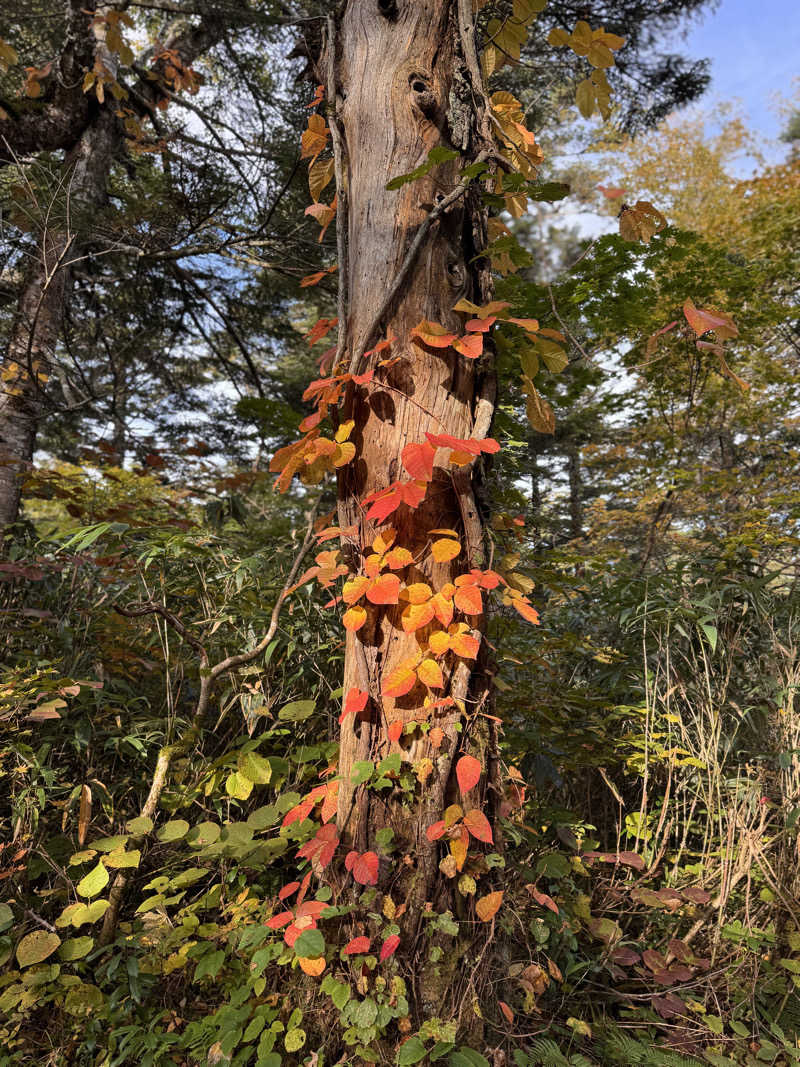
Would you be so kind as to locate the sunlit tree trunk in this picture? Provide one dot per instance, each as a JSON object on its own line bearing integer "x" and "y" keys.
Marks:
{"x": 403, "y": 89}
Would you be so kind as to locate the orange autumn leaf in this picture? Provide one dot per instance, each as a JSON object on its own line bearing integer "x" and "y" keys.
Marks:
{"x": 401, "y": 680}
{"x": 478, "y": 825}
{"x": 445, "y": 549}
{"x": 701, "y": 321}
{"x": 430, "y": 673}
{"x": 482, "y": 325}
{"x": 433, "y": 335}
{"x": 468, "y": 773}
{"x": 398, "y": 558}
{"x": 354, "y": 588}
{"x": 354, "y": 618}
{"x": 507, "y": 1012}
{"x": 313, "y": 965}
{"x": 395, "y": 730}
{"x": 314, "y": 138}
{"x": 526, "y": 609}
{"x": 458, "y": 847}
{"x": 487, "y": 907}
{"x": 436, "y": 736}
{"x": 468, "y": 599}
{"x": 384, "y": 590}
{"x": 470, "y": 345}
{"x": 416, "y": 615}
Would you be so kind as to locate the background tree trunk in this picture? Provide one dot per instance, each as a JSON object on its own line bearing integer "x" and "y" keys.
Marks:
{"x": 396, "y": 72}
{"x": 30, "y": 356}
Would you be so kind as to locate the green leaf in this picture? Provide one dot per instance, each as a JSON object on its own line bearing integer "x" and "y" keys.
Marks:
{"x": 35, "y": 947}
{"x": 75, "y": 948}
{"x": 6, "y": 917}
{"x": 121, "y": 858}
{"x": 310, "y": 944}
{"x": 467, "y": 1057}
{"x": 140, "y": 825}
{"x": 254, "y": 767}
{"x": 412, "y": 1051}
{"x": 110, "y": 844}
{"x": 297, "y": 711}
{"x": 94, "y": 882}
{"x": 365, "y": 1013}
{"x": 437, "y": 155}
{"x": 173, "y": 830}
{"x": 205, "y": 833}
{"x": 83, "y": 1000}
{"x": 295, "y": 1039}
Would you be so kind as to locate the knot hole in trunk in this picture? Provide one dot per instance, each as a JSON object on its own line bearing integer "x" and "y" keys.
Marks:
{"x": 388, "y": 8}
{"x": 423, "y": 96}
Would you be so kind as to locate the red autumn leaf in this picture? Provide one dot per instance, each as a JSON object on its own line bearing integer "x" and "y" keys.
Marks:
{"x": 277, "y": 921}
{"x": 357, "y": 946}
{"x": 322, "y": 846}
{"x": 288, "y": 890}
{"x": 468, "y": 772}
{"x": 478, "y": 825}
{"x": 542, "y": 899}
{"x": 418, "y": 460}
{"x": 395, "y": 730}
{"x": 364, "y": 867}
{"x": 299, "y": 811}
{"x": 354, "y": 703}
{"x": 389, "y": 946}
{"x": 463, "y": 444}
{"x": 384, "y": 501}
{"x": 320, "y": 329}
{"x": 435, "y": 830}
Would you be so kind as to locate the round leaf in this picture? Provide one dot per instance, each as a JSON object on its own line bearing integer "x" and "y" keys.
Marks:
{"x": 35, "y": 947}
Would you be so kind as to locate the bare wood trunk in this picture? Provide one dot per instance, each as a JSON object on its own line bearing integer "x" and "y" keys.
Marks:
{"x": 30, "y": 356}
{"x": 395, "y": 73}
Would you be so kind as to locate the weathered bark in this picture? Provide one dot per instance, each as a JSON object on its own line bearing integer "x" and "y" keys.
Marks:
{"x": 399, "y": 74}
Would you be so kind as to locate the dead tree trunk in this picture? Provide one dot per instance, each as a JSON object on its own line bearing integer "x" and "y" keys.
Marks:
{"x": 405, "y": 85}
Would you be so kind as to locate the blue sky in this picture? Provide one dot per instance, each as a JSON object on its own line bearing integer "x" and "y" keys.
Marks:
{"x": 754, "y": 47}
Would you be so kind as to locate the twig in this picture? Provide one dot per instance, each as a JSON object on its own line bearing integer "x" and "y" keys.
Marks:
{"x": 566, "y": 328}
{"x": 405, "y": 267}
